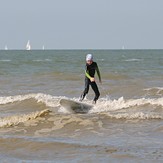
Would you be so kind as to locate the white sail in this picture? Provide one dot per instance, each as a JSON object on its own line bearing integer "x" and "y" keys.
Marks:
{"x": 6, "y": 48}
{"x": 123, "y": 47}
{"x": 43, "y": 48}
{"x": 28, "y": 46}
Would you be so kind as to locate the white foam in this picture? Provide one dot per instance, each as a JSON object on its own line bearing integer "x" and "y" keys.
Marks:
{"x": 48, "y": 100}
{"x": 138, "y": 115}
{"x": 123, "y": 109}
{"x": 40, "y": 60}
{"x": 158, "y": 88}
{"x": 65, "y": 110}
{"x": 16, "y": 119}
{"x": 113, "y": 105}
{"x": 101, "y": 59}
{"x": 133, "y": 60}
{"x": 5, "y": 60}
{"x": 126, "y": 109}
{"x": 117, "y": 108}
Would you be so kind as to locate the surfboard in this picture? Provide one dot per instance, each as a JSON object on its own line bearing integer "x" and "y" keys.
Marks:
{"x": 76, "y": 107}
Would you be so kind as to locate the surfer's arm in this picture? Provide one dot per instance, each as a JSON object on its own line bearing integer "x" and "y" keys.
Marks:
{"x": 98, "y": 73}
{"x": 87, "y": 74}
{"x": 89, "y": 77}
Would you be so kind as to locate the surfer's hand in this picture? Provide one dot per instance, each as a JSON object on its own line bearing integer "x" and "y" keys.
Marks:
{"x": 92, "y": 79}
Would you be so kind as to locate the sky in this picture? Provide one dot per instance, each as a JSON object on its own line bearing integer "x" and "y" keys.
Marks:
{"x": 81, "y": 24}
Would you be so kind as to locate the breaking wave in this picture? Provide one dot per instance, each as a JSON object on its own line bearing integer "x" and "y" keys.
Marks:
{"x": 151, "y": 108}
{"x": 5, "y": 60}
{"x": 41, "y": 60}
{"x": 16, "y": 119}
{"x": 133, "y": 60}
{"x": 48, "y": 100}
{"x": 154, "y": 91}
{"x": 131, "y": 109}
{"x": 121, "y": 103}
{"x": 18, "y": 116}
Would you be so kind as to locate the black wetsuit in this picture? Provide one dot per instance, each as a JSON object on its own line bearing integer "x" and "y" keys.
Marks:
{"x": 90, "y": 72}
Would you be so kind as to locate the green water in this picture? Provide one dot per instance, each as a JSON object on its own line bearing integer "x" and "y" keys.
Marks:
{"x": 124, "y": 126}
{"x": 138, "y": 68}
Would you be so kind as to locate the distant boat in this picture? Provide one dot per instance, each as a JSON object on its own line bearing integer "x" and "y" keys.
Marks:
{"x": 123, "y": 47}
{"x": 43, "y": 48}
{"x": 6, "y": 48}
{"x": 28, "y": 46}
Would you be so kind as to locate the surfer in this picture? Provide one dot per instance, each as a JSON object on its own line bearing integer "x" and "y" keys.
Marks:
{"x": 91, "y": 68}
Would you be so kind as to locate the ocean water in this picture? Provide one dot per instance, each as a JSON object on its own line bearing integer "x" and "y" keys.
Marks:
{"x": 126, "y": 124}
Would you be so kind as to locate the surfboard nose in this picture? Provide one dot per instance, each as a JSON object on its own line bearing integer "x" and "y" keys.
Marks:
{"x": 77, "y": 107}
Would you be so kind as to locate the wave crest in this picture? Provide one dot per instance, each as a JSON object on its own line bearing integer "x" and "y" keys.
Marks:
{"x": 130, "y": 109}
{"x": 143, "y": 108}
{"x": 48, "y": 100}
{"x": 16, "y": 119}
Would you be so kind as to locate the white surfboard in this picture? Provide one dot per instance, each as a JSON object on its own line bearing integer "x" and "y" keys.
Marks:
{"x": 75, "y": 106}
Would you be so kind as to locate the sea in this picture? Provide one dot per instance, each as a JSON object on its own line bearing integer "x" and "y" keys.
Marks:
{"x": 126, "y": 124}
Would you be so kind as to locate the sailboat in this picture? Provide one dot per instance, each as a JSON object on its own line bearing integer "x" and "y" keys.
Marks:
{"x": 28, "y": 46}
{"x": 43, "y": 48}
{"x": 123, "y": 47}
{"x": 6, "y": 48}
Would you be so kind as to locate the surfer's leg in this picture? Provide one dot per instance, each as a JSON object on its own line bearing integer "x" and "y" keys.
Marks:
{"x": 95, "y": 89}
{"x": 86, "y": 89}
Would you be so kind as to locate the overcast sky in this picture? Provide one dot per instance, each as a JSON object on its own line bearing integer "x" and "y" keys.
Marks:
{"x": 81, "y": 24}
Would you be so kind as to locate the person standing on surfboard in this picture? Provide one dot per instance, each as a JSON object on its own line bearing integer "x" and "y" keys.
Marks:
{"x": 91, "y": 68}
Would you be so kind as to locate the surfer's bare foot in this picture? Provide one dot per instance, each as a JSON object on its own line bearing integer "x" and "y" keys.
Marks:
{"x": 93, "y": 102}
{"x": 81, "y": 98}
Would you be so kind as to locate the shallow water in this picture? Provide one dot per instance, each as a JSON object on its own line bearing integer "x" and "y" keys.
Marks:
{"x": 126, "y": 125}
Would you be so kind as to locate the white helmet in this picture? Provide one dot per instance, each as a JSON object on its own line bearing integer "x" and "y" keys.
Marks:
{"x": 89, "y": 57}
